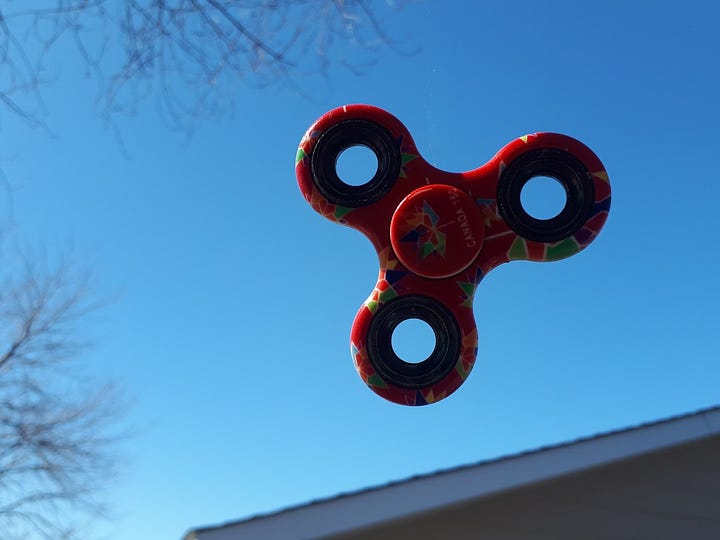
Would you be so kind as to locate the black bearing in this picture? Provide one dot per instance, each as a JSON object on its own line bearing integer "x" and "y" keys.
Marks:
{"x": 389, "y": 366}
{"x": 563, "y": 167}
{"x": 340, "y": 137}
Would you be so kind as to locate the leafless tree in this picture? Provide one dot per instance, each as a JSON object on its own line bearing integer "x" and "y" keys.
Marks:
{"x": 186, "y": 53}
{"x": 56, "y": 425}
{"x": 56, "y": 428}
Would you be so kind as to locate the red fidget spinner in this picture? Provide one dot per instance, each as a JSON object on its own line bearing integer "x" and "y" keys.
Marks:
{"x": 438, "y": 233}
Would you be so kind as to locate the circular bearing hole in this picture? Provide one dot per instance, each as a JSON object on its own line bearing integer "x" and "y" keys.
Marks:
{"x": 543, "y": 197}
{"x": 356, "y": 165}
{"x": 413, "y": 340}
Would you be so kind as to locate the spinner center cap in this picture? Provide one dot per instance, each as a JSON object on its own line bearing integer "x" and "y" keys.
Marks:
{"x": 437, "y": 231}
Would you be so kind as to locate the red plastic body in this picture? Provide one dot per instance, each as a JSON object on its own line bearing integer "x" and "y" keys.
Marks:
{"x": 438, "y": 233}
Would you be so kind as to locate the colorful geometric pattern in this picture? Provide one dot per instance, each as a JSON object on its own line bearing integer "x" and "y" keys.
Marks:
{"x": 405, "y": 158}
{"x": 424, "y": 232}
{"x": 500, "y": 243}
{"x": 468, "y": 286}
{"x": 388, "y": 283}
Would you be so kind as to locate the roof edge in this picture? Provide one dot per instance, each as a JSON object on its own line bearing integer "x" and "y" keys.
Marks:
{"x": 402, "y": 498}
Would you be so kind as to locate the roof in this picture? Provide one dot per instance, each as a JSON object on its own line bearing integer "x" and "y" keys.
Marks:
{"x": 687, "y": 445}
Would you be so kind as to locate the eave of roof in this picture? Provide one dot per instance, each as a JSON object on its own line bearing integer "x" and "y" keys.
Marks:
{"x": 435, "y": 490}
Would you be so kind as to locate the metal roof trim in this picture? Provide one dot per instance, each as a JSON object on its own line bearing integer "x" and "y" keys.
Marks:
{"x": 399, "y": 499}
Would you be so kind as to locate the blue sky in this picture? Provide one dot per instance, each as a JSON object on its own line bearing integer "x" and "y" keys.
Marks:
{"x": 234, "y": 300}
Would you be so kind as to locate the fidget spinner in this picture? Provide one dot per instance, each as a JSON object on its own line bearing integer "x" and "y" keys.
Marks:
{"x": 437, "y": 234}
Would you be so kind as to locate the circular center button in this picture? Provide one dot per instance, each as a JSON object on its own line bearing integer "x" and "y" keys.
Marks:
{"x": 437, "y": 231}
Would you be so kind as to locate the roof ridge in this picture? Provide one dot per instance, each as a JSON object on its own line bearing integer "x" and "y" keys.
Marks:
{"x": 499, "y": 459}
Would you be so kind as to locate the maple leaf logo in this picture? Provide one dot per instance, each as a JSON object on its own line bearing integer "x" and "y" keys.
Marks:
{"x": 425, "y": 232}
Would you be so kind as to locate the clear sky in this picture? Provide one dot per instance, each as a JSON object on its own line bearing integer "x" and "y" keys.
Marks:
{"x": 234, "y": 299}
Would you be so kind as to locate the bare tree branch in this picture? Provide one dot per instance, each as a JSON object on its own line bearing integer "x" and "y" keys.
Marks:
{"x": 55, "y": 434}
{"x": 188, "y": 53}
